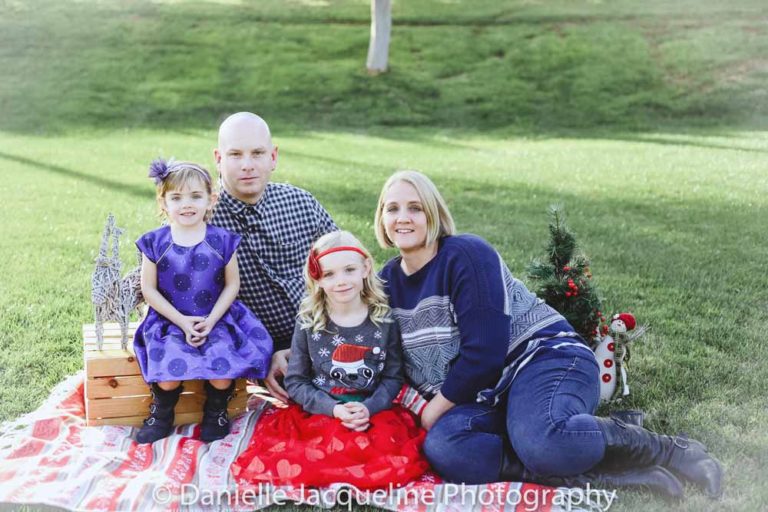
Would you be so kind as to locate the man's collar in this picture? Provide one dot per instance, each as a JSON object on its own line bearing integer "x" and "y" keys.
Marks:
{"x": 238, "y": 207}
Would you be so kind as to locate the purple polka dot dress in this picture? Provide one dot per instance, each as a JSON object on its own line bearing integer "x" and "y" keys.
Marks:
{"x": 192, "y": 278}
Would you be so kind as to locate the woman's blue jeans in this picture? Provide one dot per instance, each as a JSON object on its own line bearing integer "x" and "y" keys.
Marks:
{"x": 547, "y": 424}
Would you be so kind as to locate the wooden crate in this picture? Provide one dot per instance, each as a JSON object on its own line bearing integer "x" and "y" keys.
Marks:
{"x": 116, "y": 394}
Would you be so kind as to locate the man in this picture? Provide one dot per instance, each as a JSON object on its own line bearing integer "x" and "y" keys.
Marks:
{"x": 277, "y": 222}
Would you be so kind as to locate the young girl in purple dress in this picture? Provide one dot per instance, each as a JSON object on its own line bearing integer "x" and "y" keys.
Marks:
{"x": 195, "y": 329}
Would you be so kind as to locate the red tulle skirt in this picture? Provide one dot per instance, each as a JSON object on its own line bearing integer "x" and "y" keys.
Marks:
{"x": 290, "y": 446}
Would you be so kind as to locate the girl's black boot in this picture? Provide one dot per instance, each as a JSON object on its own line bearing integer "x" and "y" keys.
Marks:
{"x": 215, "y": 423}
{"x": 159, "y": 424}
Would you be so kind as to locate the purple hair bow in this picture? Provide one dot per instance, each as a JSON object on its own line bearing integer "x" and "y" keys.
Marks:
{"x": 159, "y": 170}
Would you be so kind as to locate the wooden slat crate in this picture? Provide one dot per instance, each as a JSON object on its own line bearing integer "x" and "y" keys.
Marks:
{"x": 116, "y": 394}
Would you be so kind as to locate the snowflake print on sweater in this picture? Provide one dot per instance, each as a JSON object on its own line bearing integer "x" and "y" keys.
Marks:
{"x": 325, "y": 368}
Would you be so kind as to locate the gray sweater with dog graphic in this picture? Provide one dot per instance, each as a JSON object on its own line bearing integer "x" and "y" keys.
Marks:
{"x": 341, "y": 364}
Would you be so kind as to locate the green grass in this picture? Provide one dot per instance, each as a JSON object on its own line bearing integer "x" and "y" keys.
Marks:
{"x": 534, "y": 66}
{"x": 646, "y": 119}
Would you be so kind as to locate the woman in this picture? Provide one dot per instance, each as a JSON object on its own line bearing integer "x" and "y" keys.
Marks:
{"x": 506, "y": 376}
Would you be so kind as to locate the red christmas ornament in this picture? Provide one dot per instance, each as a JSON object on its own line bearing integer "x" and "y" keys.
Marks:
{"x": 606, "y": 377}
{"x": 611, "y": 346}
{"x": 608, "y": 363}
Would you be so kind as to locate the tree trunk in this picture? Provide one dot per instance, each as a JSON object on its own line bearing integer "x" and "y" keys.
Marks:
{"x": 381, "y": 26}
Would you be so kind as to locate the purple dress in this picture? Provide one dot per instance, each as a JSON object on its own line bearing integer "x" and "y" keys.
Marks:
{"x": 192, "y": 278}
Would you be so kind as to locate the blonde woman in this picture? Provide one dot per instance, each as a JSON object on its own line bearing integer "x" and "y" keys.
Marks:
{"x": 344, "y": 371}
{"x": 507, "y": 378}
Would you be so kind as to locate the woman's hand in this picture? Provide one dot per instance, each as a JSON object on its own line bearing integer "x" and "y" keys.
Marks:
{"x": 436, "y": 407}
{"x": 191, "y": 334}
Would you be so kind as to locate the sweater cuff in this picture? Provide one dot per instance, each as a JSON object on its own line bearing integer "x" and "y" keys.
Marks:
{"x": 326, "y": 407}
{"x": 458, "y": 392}
{"x": 374, "y": 406}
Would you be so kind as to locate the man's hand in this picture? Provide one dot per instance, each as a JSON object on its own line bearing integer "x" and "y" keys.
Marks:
{"x": 278, "y": 368}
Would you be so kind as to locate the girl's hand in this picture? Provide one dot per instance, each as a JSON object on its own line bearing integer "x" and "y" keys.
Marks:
{"x": 341, "y": 412}
{"x": 192, "y": 336}
{"x": 360, "y": 419}
{"x": 204, "y": 328}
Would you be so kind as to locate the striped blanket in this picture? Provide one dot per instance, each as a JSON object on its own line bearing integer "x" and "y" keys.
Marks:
{"x": 50, "y": 457}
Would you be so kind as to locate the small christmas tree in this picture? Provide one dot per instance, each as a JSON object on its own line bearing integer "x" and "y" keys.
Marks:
{"x": 564, "y": 280}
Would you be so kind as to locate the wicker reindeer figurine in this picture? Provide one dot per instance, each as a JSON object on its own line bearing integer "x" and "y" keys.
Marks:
{"x": 113, "y": 297}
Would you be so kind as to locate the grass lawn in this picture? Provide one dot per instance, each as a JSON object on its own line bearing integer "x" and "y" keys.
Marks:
{"x": 648, "y": 120}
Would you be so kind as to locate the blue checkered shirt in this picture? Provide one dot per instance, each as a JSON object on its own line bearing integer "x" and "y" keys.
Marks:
{"x": 277, "y": 233}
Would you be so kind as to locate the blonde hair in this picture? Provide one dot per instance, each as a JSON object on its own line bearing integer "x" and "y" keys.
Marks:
{"x": 439, "y": 220}
{"x": 313, "y": 311}
{"x": 179, "y": 175}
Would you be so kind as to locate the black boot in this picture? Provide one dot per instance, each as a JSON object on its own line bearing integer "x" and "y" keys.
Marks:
{"x": 159, "y": 424}
{"x": 215, "y": 424}
{"x": 630, "y": 445}
{"x": 654, "y": 479}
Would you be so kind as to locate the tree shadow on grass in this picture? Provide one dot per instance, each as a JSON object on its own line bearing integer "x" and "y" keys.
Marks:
{"x": 672, "y": 141}
{"x": 132, "y": 190}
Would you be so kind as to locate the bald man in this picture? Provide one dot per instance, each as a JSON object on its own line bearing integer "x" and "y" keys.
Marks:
{"x": 277, "y": 222}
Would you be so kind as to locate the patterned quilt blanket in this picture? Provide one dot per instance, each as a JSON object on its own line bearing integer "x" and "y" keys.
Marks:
{"x": 50, "y": 457}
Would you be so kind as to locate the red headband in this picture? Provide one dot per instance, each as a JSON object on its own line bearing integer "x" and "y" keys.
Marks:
{"x": 313, "y": 264}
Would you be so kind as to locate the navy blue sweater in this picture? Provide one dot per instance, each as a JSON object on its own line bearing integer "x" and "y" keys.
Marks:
{"x": 463, "y": 317}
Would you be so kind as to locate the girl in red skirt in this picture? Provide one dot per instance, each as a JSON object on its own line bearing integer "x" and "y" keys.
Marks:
{"x": 344, "y": 371}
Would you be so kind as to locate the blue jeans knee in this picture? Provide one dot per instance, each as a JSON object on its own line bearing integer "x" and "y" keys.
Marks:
{"x": 467, "y": 429}
{"x": 550, "y": 414}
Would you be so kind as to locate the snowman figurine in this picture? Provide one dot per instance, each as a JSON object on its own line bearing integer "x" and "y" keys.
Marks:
{"x": 611, "y": 353}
